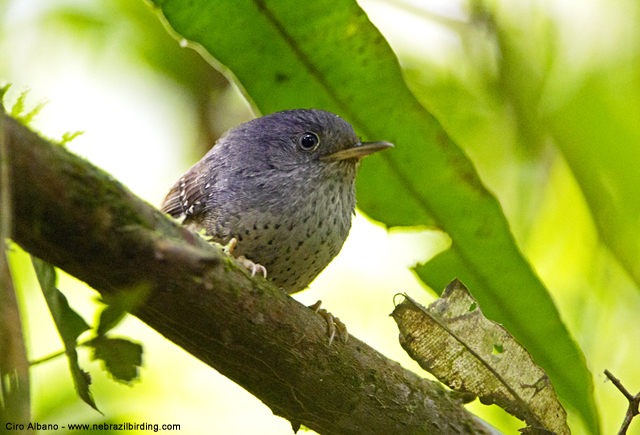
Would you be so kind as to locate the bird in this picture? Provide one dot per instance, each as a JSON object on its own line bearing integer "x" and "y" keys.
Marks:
{"x": 278, "y": 191}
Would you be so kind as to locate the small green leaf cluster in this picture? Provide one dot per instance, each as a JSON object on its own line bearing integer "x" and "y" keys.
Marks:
{"x": 121, "y": 357}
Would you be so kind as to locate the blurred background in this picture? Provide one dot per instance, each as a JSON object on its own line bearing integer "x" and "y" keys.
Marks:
{"x": 149, "y": 109}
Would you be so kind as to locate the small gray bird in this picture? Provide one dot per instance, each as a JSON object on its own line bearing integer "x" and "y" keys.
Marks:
{"x": 282, "y": 186}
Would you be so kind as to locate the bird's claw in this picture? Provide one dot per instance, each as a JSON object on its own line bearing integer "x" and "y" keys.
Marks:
{"x": 333, "y": 323}
{"x": 253, "y": 267}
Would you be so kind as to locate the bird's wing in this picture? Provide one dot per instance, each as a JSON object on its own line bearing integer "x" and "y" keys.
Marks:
{"x": 187, "y": 196}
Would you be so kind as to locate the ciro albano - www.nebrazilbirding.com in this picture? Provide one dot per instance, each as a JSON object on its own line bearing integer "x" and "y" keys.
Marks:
{"x": 148, "y": 427}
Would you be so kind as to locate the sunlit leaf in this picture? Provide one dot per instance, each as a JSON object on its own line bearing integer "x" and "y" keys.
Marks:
{"x": 453, "y": 340}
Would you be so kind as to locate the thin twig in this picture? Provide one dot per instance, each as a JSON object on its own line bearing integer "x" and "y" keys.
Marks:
{"x": 55, "y": 354}
{"x": 634, "y": 402}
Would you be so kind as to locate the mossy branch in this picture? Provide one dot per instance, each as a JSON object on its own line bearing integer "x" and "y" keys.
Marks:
{"x": 75, "y": 216}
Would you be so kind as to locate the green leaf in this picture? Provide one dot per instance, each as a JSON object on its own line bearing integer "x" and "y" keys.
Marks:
{"x": 81, "y": 379}
{"x": 328, "y": 55}
{"x": 69, "y": 323}
{"x": 121, "y": 357}
{"x": 109, "y": 317}
{"x": 598, "y": 133}
{"x": 118, "y": 305}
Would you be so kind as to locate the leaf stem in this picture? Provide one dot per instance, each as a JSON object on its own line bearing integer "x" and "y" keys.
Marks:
{"x": 55, "y": 354}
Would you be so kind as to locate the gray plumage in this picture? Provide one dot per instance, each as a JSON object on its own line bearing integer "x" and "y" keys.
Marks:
{"x": 286, "y": 199}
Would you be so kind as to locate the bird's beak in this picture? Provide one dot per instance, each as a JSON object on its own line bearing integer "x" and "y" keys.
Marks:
{"x": 359, "y": 151}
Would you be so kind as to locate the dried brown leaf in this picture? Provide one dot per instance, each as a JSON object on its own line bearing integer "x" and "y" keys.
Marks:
{"x": 452, "y": 340}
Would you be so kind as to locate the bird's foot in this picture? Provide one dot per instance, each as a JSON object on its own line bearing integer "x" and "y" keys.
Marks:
{"x": 228, "y": 248}
{"x": 333, "y": 323}
{"x": 253, "y": 267}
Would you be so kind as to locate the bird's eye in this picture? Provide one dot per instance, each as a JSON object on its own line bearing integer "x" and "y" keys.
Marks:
{"x": 308, "y": 141}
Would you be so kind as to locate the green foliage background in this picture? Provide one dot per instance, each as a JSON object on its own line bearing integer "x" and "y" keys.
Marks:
{"x": 543, "y": 100}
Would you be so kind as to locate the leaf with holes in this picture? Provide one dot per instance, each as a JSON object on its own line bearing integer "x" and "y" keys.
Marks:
{"x": 452, "y": 340}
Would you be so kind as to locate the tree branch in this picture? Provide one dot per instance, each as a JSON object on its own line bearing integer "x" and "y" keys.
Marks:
{"x": 80, "y": 219}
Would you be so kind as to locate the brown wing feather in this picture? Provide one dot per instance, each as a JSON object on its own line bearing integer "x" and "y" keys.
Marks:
{"x": 187, "y": 196}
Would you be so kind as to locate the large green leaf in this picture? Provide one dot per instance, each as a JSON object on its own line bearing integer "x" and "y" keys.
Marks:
{"x": 326, "y": 54}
